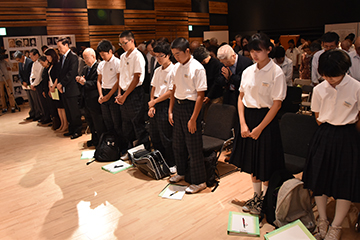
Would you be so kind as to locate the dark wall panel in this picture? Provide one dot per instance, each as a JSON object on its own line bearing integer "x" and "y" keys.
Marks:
{"x": 140, "y": 4}
{"x": 218, "y": 19}
{"x": 201, "y": 6}
{"x": 105, "y": 17}
{"x": 198, "y": 31}
{"x": 284, "y": 15}
{"x": 67, "y": 4}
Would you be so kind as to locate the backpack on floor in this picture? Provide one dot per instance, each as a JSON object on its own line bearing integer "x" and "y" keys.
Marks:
{"x": 294, "y": 202}
{"x": 270, "y": 198}
{"x": 151, "y": 164}
{"x": 108, "y": 148}
{"x": 212, "y": 173}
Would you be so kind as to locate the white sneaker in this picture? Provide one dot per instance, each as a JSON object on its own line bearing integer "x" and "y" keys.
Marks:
{"x": 176, "y": 178}
{"x": 195, "y": 188}
{"x": 125, "y": 157}
{"x": 173, "y": 169}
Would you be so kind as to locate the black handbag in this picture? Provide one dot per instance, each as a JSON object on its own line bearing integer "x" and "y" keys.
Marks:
{"x": 151, "y": 164}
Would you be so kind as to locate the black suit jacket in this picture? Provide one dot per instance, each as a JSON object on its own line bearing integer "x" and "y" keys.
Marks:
{"x": 24, "y": 73}
{"x": 230, "y": 96}
{"x": 68, "y": 73}
{"x": 89, "y": 89}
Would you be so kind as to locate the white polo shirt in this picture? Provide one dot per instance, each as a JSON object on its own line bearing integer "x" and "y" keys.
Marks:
{"x": 189, "y": 79}
{"x": 287, "y": 68}
{"x": 339, "y": 105}
{"x": 162, "y": 80}
{"x": 315, "y": 76}
{"x": 354, "y": 70}
{"x": 262, "y": 86}
{"x": 134, "y": 63}
{"x": 109, "y": 70}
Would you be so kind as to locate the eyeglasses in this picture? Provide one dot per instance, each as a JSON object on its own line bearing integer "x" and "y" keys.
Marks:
{"x": 160, "y": 56}
{"x": 123, "y": 44}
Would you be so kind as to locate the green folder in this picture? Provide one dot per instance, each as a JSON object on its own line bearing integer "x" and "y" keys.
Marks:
{"x": 243, "y": 224}
{"x": 294, "y": 231}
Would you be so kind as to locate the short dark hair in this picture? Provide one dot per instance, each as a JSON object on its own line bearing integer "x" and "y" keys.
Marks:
{"x": 315, "y": 46}
{"x": 162, "y": 47}
{"x": 44, "y": 47}
{"x": 105, "y": 46}
{"x": 64, "y": 41}
{"x": 181, "y": 44}
{"x": 201, "y": 53}
{"x": 163, "y": 39}
{"x": 279, "y": 52}
{"x": 259, "y": 41}
{"x": 152, "y": 42}
{"x": 127, "y": 34}
{"x": 351, "y": 37}
{"x": 334, "y": 63}
{"x": 330, "y": 37}
{"x": 247, "y": 37}
{"x": 291, "y": 41}
{"x": 34, "y": 51}
{"x": 52, "y": 53}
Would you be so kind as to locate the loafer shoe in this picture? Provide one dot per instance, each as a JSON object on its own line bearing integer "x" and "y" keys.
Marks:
{"x": 75, "y": 135}
{"x": 176, "y": 178}
{"x": 195, "y": 188}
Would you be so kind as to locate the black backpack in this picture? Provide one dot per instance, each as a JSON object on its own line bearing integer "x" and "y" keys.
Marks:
{"x": 270, "y": 198}
{"x": 212, "y": 173}
{"x": 108, "y": 148}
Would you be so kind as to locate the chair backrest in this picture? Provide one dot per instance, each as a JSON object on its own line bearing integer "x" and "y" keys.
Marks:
{"x": 307, "y": 88}
{"x": 292, "y": 101}
{"x": 220, "y": 119}
{"x": 302, "y": 82}
{"x": 296, "y": 133}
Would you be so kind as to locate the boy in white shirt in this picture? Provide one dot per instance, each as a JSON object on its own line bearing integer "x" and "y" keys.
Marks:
{"x": 189, "y": 80}
{"x": 108, "y": 83}
{"x": 131, "y": 93}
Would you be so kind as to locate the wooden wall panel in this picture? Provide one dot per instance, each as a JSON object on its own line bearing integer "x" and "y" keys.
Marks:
{"x": 22, "y": 3}
{"x": 218, "y": 28}
{"x": 199, "y": 39}
{"x": 18, "y": 15}
{"x": 106, "y": 4}
{"x": 173, "y": 5}
{"x": 100, "y": 32}
{"x": 141, "y": 23}
{"x": 68, "y": 21}
{"x": 218, "y": 7}
{"x": 172, "y": 24}
{"x": 198, "y": 18}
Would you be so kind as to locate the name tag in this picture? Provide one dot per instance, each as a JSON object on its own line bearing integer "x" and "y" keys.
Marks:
{"x": 265, "y": 84}
{"x": 111, "y": 69}
{"x": 347, "y": 104}
{"x": 186, "y": 76}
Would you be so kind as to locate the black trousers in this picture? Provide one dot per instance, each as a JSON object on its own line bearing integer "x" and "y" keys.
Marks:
{"x": 73, "y": 115}
{"x": 161, "y": 132}
{"x": 44, "y": 103}
{"x": 133, "y": 118}
{"x": 94, "y": 119}
{"x": 188, "y": 147}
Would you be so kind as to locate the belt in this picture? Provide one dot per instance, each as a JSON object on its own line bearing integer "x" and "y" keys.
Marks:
{"x": 185, "y": 101}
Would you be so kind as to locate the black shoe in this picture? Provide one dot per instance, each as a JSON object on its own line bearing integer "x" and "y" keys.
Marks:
{"x": 68, "y": 134}
{"x": 12, "y": 110}
{"x": 29, "y": 118}
{"x": 76, "y": 135}
{"x": 4, "y": 110}
{"x": 46, "y": 121}
{"x": 36, "y": 119}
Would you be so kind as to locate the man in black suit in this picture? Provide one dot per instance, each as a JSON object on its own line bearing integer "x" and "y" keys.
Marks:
{"x": 69, "y": 88}
{"x": 25, "y": 66}
{"x": 90, "y": 95}
{"x": 235, "y": 64}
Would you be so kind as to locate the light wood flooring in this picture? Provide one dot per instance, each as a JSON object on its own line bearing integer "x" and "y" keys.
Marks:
{"x": 48, "y": 192}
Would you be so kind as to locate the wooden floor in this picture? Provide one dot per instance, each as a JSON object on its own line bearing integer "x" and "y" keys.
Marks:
{"x": 47, "y": 192}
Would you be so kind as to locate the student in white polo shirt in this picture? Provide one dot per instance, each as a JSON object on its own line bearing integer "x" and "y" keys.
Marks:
{"x": 131, "y": 93}
{"x": 332, "y": 167}
{"x": 161, "y": 131}
{"x": 108, "y": 77}
{"x": 189, "y": 80}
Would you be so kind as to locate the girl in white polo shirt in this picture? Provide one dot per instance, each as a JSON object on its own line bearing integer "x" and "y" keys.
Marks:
{"x": 333, "y": 162}
{"x": 257, "y": 146}
{"x": 160, "y": 129}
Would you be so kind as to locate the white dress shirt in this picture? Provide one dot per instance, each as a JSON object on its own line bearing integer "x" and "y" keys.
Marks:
{"x": 287, "y": 67}
{"x": 354, "y": 70}
{"x": 262, "y": 86}
{"x": 339, "y": 105}
{"x": 36, "y": 72}
{"x": 293, "y": 54}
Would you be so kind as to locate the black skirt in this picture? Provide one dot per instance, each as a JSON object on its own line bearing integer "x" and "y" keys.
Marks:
{"x": 333, "y": 162}
{"x": 261, "y": 157}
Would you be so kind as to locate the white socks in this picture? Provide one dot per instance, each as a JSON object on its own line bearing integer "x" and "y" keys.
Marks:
{"x": 341, "y": 210}
{"x": 257, "y": 187}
